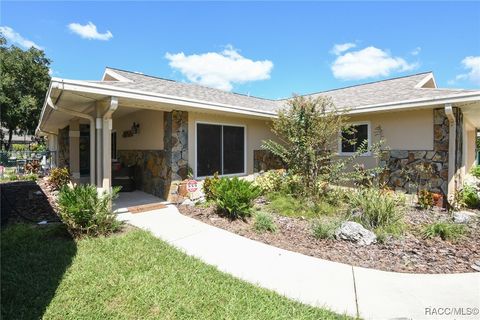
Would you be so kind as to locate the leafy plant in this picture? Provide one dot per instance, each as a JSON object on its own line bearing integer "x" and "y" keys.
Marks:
{"x": 322, "y": 229}
{"x": 33, "y": 166}
{"x": 444, "y": 230}
{"x": 30, "y": 177}
{"x": 425, "y": 199}
{"x": 468, "y": 197}
{"x": 235, "y": 197}
{"x": 270, "y": 181}
{"x": 264, "y": 222}
{"x": 210, "y": 186}
{"x": 475, "y": 171}
{"x": 59, "y": 177}
{"x": 377, "y": 207}
{"x": 85, "y": 212}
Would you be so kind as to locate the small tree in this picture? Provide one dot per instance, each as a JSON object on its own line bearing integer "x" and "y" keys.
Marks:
{"x": 308, "y": 132}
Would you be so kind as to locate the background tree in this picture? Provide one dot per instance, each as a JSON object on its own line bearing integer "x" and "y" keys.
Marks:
{"x": 23, "y": 83}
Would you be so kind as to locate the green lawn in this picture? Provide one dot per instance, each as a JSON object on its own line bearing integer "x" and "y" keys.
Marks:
{"x": 44, "y": 273}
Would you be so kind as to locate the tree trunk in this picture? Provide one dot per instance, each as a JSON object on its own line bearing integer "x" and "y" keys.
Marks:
{"x": 9, "y": 144}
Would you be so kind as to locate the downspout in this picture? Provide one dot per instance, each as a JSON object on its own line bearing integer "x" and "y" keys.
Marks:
{"x": 92, "y": 132}
{"x": 452, "y": 137}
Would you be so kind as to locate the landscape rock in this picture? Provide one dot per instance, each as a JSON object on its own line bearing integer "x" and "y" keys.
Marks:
{"x": 352, "y": 231}
{"x": 188, "y": 202}
{"x": 462, "y": 217}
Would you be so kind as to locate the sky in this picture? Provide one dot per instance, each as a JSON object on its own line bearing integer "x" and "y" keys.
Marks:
{"x": 265, "y": 49}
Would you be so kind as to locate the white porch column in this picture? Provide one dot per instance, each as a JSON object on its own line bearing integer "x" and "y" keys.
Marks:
{"x": 74, "y": 149}
{"x": 452, "y": 137}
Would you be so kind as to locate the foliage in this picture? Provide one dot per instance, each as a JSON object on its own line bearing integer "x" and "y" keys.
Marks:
{"x": 47, "y": 275}
{"x": 19, "y": 147}
{"x": 468, "y": 197}
{"x": 85, "y": 212}
{"x": 264, "y": 222}
{"x": 270, "y": 181}
{"x": 425, "y": 199}
{"x": 210, "y": 186}
{"x": 24, "y": 81}
{"x": 444, "y": 230}
{"x": 324, "y": 229}
{"x": 59, "y": 177}
{"x": 235, "y": 197}
{"x": 33, "y": 166}
{"x": 30, "y": 176}
{"x": 475, "y": 171}
{"x": 308, "y": 130}
{"x": 376, "y": 208}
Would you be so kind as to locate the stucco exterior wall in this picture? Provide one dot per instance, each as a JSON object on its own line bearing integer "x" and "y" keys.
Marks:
{"x": 470, "y": 156}
{"x": 150, "y": 136}
{"x": 257, "y": 130}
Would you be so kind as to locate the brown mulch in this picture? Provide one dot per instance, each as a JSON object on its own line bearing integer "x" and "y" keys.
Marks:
{"x": 25, "y": 201}
{"x": 410, "y": 254}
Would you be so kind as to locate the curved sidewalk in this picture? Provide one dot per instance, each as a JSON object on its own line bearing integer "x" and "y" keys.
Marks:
{"x": 368, "y": 293}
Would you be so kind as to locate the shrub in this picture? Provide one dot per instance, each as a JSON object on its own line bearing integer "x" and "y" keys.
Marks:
{"x": 85, "y": 212}
{"x": 468, "y": 197}
{"x": 476, "y": 171}
{"x": 377, "y": 207}
{"x": 59, "y": 177}
{"x": 425, "y": 199}
{"x": 270, "y": 181}
{"x": 235, "y": 196}
{"x": 210, "y": 186}
{"x": 263, "y": 222}
{"x": 30, "y": 177}
{"x": 444, "y": 230}
{"x": 322, "y": 229}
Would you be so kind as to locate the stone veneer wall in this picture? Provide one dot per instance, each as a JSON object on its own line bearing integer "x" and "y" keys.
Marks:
{"x": 175, "y": 141}
{"x": 264, "y": 160}
{"x": 63, "y": 148}
{"x": 150, "y": 170}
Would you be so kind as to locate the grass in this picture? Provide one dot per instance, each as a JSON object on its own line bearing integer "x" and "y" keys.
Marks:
{"x": 324, "y": 229}
{"x": 46, "y": 274}
{"x": 289, "y": 206}
{"x": 444, "y": 230}
{"x": 263, "y": 222}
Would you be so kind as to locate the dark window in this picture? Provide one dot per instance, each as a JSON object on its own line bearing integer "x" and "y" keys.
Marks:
{"x": 114, "y": 145}
{"x": 354, "y": 137}
{"x": 220, "y": 149}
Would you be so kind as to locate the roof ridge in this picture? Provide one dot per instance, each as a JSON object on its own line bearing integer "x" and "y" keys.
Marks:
{"x": 362, "y": 84}
{"x": 194, "y": 84}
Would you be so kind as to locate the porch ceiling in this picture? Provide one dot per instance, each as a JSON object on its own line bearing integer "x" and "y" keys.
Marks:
{"x": 471, "y": 113}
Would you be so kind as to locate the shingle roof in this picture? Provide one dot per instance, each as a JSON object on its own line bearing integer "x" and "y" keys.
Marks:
{"x": 379, "y": 92}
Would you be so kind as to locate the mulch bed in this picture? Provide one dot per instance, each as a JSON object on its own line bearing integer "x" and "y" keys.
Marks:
{"x": 25, "y": 201}
{"x": 409, "y": 254}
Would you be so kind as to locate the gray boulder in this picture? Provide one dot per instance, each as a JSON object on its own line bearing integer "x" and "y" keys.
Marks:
{"x": 462, "y": 217}
{"x": 352, "y": 231}
{"x": 188, "y": 202}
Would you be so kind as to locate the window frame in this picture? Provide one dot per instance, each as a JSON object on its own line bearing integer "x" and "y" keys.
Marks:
{"x": 222, "y": 124}
{"x": 369, "y": 140}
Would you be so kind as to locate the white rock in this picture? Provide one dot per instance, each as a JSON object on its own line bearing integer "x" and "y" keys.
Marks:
{"x": 462, "y": 216}
{"x": 352, "y": 231}
{"x": 188, "y": 202}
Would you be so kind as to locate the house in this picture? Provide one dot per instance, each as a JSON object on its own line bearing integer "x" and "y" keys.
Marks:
{"x": 163, "y": 127}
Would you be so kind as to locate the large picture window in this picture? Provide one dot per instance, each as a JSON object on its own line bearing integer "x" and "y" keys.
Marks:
{"x": 220, "y": 148}
{"x": 353, "y": 138}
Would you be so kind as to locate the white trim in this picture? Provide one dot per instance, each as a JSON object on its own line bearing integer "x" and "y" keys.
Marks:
{"x": 425, "y": 80}
{"x": 245, "y": 149}
{"x": 369, "y": 140}
{"x": 115, "y": 75}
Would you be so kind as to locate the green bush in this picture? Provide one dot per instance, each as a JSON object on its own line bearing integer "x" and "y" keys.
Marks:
{"x": 235, "y": 197}
{"x": 30, "y": 177}
{"x": 476, "y": 171}
{"x": 264, "y": 222}
{"x": 444, "y": 230}
{"x": 377, "y": 207}
{"x": 59, "y": 177}
{"x": 425, "y": 199}
{"x": 210, "y": 186}
{"x": 85, "y": 212}
{"x": 270, "y": 181}
{"x": 322, "y": 229}
{"x": 468, "y": 197}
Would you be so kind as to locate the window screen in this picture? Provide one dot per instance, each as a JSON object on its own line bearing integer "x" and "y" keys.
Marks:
{"x": 353, "y": 138}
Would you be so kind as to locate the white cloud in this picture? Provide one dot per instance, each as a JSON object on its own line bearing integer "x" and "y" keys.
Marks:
{"x": 368, "y": 63}
{"x": 472, "y": 65}
{"x": 89, "y": 31}
{"x": 340, "y": 48}
{"x": 416, "y": 51}
{"x": 16, "y": 38}
{"x": 220, "y": 69}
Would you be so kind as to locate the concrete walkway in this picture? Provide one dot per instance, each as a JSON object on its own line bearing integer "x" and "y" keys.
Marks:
{"x": 370, "y": 294}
